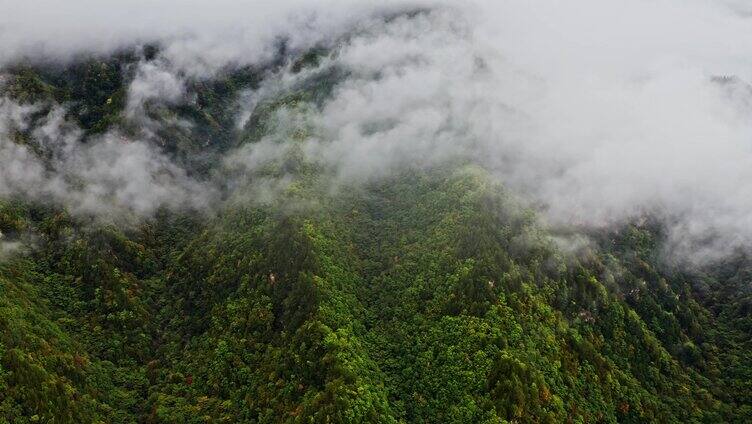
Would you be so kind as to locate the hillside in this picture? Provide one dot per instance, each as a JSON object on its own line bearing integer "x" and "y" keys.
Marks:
{"x": 429, "y": 295}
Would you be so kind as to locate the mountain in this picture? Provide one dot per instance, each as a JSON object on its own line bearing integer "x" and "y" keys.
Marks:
{"x": 149, "y": 274}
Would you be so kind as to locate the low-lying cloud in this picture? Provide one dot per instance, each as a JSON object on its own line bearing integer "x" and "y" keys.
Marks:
{"x": 596, "y": 112}
{"x": 111, "y": 175}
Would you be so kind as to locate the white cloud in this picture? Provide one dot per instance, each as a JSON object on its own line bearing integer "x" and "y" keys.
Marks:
{"x": 110, "y": 176}
{"x": 153, "y": 83}
{"x": 595, "y": 111}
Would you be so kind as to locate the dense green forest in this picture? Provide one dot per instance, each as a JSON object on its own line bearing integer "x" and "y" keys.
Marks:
{"x": 430, "y": 295}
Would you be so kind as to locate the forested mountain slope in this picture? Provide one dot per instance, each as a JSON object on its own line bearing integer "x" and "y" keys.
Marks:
{"x": 430, "y": 294}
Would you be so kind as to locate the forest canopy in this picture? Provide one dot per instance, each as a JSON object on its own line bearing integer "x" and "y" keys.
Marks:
{"x": 374, "y": 213}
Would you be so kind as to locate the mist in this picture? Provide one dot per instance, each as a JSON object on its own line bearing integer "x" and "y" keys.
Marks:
{"x": 595, "y": 113}
{"x": 111, "y": 176}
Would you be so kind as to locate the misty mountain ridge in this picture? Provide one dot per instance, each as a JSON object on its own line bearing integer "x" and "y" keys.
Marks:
{"x": 368, "y": 213}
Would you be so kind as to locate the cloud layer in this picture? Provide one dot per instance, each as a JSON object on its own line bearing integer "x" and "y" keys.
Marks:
{"x": 110, "y": 176}
{"x": 596, "y": 112}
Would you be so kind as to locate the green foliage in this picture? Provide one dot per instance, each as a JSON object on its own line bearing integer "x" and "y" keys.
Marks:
{"x": 427, "y": 296}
